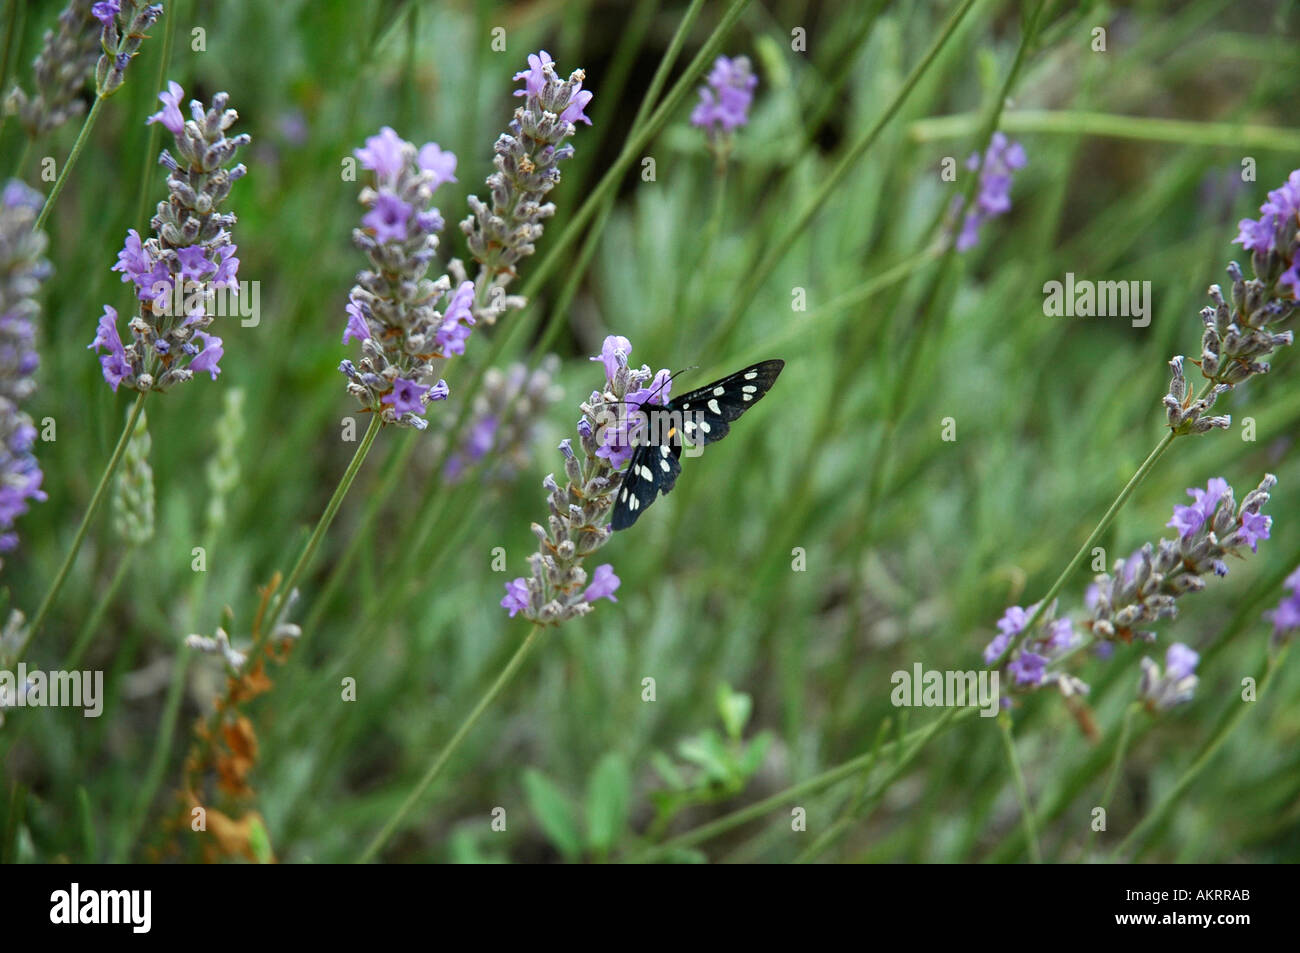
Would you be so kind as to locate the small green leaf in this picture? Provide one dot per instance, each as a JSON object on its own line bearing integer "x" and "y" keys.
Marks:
{"x": 554, "y": 813}
{"x": 667, "y": 770}
{"x": 753, "y": 756}
{"x": 609, "y": 791}
{"x": 259, "y": 841}
{"x": 735, "y": 708}
{"x": 773, "y": 56}
{"x": 709, "y": 752}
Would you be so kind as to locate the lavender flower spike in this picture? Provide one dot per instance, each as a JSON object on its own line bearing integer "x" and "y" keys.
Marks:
{"x": 124, "y": 24}
{"x": 22, "y": 269}
{"x": 60, "y": 72}
{"x": 393, "y": 309}
{"x": 1144, "y": 587}
{"x": 1141, "y": 590}
{"x": 725, "y": 101}
{"x": 527, "y": 162}
{"x": 558, "y": 588}
{"x": 177, "y": 271}
{"x": 501, "y": 432}
{"x": 1239, "y": 328}
{"x": 1002, "y": 158}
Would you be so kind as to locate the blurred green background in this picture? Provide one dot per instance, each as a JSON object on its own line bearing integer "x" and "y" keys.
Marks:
{"x": 913, "y": 545}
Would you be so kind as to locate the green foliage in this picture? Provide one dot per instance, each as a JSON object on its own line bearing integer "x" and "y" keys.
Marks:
{"x": 913, "y": 545}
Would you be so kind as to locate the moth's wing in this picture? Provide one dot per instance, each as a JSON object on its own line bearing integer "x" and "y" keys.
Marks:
{"x": 707, "y": 412}
{"x": 651, "y": 471}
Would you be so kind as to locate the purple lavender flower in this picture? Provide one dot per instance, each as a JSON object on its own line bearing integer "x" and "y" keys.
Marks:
{"x": 1027, "y": 668}
{"x": 458, "y": 320}
{"x": 22, "y": 269}
{"x": 506, "y": 413}
{"x": 527, "y": 168}
{"x": 1013, "y": 621}
{"x": 357, "y": 327}
{"x": 604, "y": 583}
{"x": 194, "y": 262}
{"x": 1062, "y": 636}
{"x": 516, "y": 597}
{"x": 392, "y": 310}
{"x": 1189, "y": 519}
{"x": 1254, "y": 527}
{"x": 170, "y": 115}
{"x": 1286, "y": 617}
{"x": 613, "y": 345}
{"x": 725, "y": 101}
{"x": 178, "y": 269}
{"x": 405, "y": 397}
{"x": 388, "y": 218}
{"x": 1180, "y": 661}
{"x": 442, "y": 164}
{"x": 106, "y": 10}
{"x": 1001, "y": 159}
{"x": 116, "y": 366}
{"x": 533, "y": 77}
{"x": 1175, "y": 686}
{"x": 384, "y": 154}
{"x": 210, "y": 352}
{"x": 993, "y": 651}
{"x": 1278, "y": 221}
{"x": 619, "y": 429}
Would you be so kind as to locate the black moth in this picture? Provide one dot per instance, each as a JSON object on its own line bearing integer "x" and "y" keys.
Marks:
{"x": 705, "y": 415}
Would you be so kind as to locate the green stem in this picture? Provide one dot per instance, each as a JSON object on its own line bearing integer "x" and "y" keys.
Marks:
{"x": 450, "y": 747}
{"x": 95, "y": 501}
{"x": 1226, "y": 726}
{"x": 1022, "y": 791}
{"x": 326, "y": 518}
{"x": 1121, "y": 749}
{"x": 396, "y": 466}
{"x": 1142, "y": 128}
{"x": 82, "y": 138}
{"x": 97, "y": 614}
{"x": 21, "y": 164}
{"x": 158, "y": 760}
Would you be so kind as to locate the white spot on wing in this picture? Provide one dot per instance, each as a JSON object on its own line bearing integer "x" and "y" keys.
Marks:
{"x": 719, "y": 391}
{"x": 713, "y": 406}
{"x": 704, "y": 425}
{"x": 751, "y": 375}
